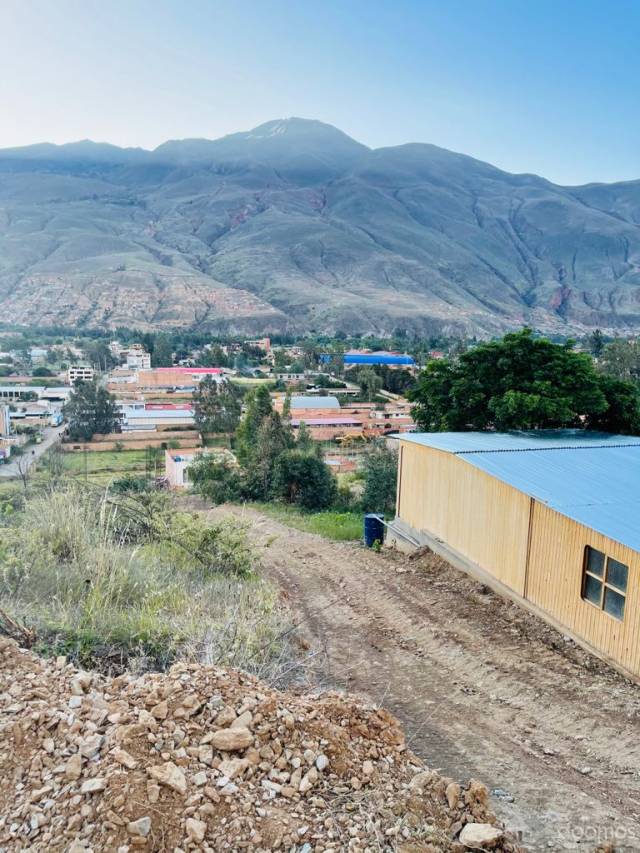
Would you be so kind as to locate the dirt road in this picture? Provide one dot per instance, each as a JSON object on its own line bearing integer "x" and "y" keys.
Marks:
{"x": 483, "y": 688}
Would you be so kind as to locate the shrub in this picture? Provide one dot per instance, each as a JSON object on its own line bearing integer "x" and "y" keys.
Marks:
{"x": 121, "y": 580}
{"x": 304, "y": 480}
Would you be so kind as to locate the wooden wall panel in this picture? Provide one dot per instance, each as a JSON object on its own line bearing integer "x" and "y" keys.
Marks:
{"x": 482, "y": 518}
{"x": 554, "y": 583}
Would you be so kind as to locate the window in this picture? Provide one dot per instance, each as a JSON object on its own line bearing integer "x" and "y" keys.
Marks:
{"x": 604, "y": 582}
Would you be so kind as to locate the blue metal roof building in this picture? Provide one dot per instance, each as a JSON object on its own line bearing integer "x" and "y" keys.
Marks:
{"x": 552, "y": 516}
{"x": 389, "y": 358}
{"x": 591, "y": 477}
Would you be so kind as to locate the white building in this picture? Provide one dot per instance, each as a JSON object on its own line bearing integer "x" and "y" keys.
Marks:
{"x": 79, "y": 373}
{"x": 177, "y": 463}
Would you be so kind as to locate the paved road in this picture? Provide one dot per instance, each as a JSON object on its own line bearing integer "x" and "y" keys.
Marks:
{"x": 32, "y": 453}
{"x": 484, "y": 688}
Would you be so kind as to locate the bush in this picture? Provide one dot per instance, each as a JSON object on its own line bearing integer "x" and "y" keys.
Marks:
{"x": 129, "y": 484}
{"x": 120, "y": 580}
{"x": 218, "y": 482}
{"x": 304, "y": 480}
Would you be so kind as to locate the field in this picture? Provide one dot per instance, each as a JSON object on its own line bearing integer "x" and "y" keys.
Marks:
{"x": 338, "y": 526}
{"x": 101, "y": 467}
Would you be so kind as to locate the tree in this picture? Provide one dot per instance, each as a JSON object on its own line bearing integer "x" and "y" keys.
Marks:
{"x": 622, "y": 414}
{"x": 216, "y": 406}
{"x": 258, "y": 407}
{"x": 303, "y": 480}
{"x": 518, "y": 382}
{"x": 272, "y": 440}
{"x": 99, "y": 355}
{"x": 621, "y": 359}
{"x": 90, "y": 409}
{"x": 380, "y": 468}
{"x": 162, "y": 355}
{"x": 217, "y": 481}
{"x": 304, "y": 442}
{"x": 370, "y": 383}
{"x": 596, "y": 343}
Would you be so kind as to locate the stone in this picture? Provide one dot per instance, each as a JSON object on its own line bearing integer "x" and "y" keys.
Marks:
{"x": 367, "y": 768}
{"x": 48, "y": 744}
{"x": 160, "y": 710}
{"x": 243, "y": 721}
{"x": 170, "y": 775}
{"x": 124, "y": 758}
{"x": 452, "y": 793}
{"x": 322, "y": 762}
{"x": 140, "y": 827}
{"x": 480, "y": 835}
{"x": 73, "y": 768}
{"x": 200, "y": 779}
{"x": 196, "y": 829}
{"x": 91, "y": 745}
{"x": 230, "y": 740}
{"x": 231, "y": 767}
{"x": 93, "y": 786}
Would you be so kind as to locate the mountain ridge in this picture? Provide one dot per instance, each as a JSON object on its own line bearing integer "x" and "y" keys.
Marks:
{"x": 295, "y": 226}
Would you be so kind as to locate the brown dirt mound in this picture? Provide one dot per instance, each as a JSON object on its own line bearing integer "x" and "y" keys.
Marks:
{"x": 205, "y": 758}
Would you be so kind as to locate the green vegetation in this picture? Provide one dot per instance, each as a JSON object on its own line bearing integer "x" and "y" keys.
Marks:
{"x": 216, "y": 406}
{"x": 339, "y": 526}
{"x": 380, "y": 473}
{"x": 89, "y": 410}
{"x": 127, "y": 580}
{"x": 522, "y": 382}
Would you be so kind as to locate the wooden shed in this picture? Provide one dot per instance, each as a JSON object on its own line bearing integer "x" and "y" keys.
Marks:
{"x": 549, "y": 518}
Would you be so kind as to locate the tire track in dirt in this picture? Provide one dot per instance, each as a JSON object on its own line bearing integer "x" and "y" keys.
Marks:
{"x": 483, "y": 688}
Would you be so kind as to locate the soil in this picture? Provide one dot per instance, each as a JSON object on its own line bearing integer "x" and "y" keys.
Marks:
{"x": 483, "y": 688}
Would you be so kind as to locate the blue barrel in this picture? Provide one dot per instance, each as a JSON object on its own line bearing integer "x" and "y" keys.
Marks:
{"x": 373, "y": 528}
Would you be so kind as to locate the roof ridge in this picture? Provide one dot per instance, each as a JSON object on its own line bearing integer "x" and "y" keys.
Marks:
{"x": 538, "y": 449}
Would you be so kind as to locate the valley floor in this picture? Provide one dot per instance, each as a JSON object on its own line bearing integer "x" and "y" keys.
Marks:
{"x": 483, "y": 688}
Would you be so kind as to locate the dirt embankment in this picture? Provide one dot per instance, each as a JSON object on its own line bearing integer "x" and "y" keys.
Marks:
{"x": 209, "y": 759}
{"x": 484, "y": 689}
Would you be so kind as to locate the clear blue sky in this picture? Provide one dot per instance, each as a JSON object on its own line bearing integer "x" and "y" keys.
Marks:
{"x": 545, "y": 86}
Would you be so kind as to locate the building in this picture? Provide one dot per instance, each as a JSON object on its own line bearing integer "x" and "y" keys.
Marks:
{"x": 391, "y": 359}
{"x": 263, "y": 344}
{"x": 549, "y": 519}
{"x": 177, "y": 464}
{"x": 155, "y": 416}
{"x": 14, "y": 393}
{"x": 38, "y": 356}
{"x": 300, "y": 403}
{"x": 5, "y": 420}
{"x": 178, "y": 377}
{"x": 137, "y": 359}
{"x": 79, "y": 373}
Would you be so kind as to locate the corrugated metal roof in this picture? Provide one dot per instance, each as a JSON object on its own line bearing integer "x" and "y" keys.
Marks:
{"x": 592, "y": 478}
{"x": 326, "y": 421}
{"x": 314, "y": 403}
{"x": 473, "y": 442}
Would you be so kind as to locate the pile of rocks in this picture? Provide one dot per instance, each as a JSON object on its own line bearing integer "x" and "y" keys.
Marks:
{"x": 205, "y": 758}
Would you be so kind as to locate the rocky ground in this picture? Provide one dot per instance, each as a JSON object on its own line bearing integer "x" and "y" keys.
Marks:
{"x": 210, "y": 759}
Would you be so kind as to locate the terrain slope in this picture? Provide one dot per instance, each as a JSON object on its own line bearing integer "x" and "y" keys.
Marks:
{"x": 296, "y": 227}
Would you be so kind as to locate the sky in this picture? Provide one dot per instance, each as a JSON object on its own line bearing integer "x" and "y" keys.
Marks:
{"x": 543, "y": 86}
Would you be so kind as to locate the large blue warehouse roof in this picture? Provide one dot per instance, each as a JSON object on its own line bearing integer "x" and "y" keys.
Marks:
{"x": 372, "y": 358}
{"x": 592, "y": 478}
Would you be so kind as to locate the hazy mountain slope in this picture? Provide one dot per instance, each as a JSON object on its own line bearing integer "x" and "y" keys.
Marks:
{"x": 296, "y": 226}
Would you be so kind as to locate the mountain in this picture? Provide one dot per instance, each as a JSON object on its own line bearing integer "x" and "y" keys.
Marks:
{"x": 294, "y": 226}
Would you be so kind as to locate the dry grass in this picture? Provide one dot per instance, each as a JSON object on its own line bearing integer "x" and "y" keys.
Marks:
{"x": 122, "y": 581}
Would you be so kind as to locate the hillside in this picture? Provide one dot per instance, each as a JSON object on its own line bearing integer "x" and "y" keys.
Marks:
{"x": 294, "y": 226}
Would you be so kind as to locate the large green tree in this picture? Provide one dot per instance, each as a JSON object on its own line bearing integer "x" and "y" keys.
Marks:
{"x": 305, "y": 480}
{"x": 216, "y": 406}
{"x": 90, "y": 409}
{"x": 272, "y": 439}
{"x": 258, "y": 407}
{"x": 519, "y": 382}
